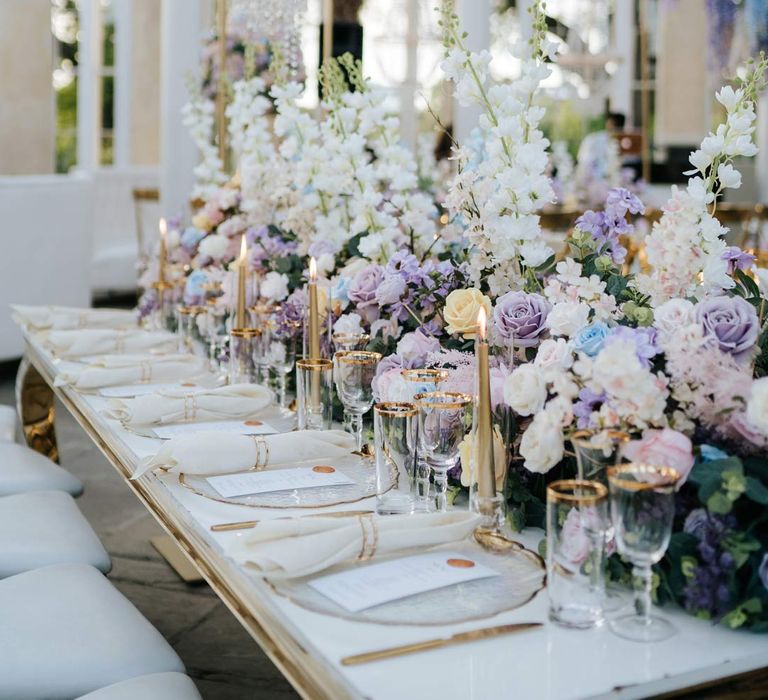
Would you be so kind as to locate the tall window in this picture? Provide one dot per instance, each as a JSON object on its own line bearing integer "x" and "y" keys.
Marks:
{"x": 64, "y": 26}
{"x": 107, "y": 83}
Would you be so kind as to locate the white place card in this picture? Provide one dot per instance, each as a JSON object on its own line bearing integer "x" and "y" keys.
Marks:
{"x": 128, "y": 391}
{"x": 242, "y": 427}
{"x": 230, "y": 485}
{"x": 366, "y": 586}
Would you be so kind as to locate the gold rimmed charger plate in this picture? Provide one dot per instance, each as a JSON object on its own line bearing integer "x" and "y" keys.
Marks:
{"x": 356, "y": 467}
{"x": 522, "y": 576}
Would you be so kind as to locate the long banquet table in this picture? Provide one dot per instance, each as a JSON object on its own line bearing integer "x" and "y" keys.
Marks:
{"x": 549, "y": 662}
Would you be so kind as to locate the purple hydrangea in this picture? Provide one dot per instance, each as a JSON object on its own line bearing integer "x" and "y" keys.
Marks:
{"x": 732, "y": 322}
{"x": 521, "y": 317}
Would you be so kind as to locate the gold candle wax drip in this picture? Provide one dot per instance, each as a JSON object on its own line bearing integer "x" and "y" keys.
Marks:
{"x": 241, "y": 280}
{"x": 486, "y": 474}
{"x": 314, "y": 317}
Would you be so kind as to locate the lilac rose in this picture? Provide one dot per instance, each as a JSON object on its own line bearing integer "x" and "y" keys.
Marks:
{"x": 732, "y": 321}
{"x": 417, "y": 345}
{"x": 521, "y": 317}
{"x": 391, "y": 290}
{"x": 362, "y": 291}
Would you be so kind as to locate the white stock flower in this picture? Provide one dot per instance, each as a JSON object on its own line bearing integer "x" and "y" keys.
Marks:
{"x": 525, "y": 390}
{"x": 728, "y": 176}
{"x": 542, "y": 442}
{"x": 567, "y": 318}
{"x": 274, "y": 286}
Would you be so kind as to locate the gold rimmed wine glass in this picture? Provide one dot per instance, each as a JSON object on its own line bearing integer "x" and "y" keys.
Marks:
{"x": 354, "y": 373}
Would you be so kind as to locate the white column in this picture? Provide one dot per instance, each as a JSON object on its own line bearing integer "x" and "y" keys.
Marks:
{"x": 181, "y": 32}
{"x": 623, "y": 47}
{"x": 474, "y": 18}
{"x": 89, "y": 86}
{"x": 408, "y": 116}
{"x": 123, "y": 12}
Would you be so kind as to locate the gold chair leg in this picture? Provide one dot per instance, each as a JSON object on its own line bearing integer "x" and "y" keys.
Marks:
{"x": 34, "y": 403}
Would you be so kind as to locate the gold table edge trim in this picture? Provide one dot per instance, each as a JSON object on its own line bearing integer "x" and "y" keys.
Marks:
{"x": 290, "y": 657}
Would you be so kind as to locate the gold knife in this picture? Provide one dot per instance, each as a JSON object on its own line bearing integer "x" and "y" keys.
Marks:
{"x": 249, "y": 524}
{"x": 460, "y": 638}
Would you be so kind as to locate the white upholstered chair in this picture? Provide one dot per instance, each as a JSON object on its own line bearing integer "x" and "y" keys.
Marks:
{"x": 157, "y": 686}
{"x": 46, "y": 527}
{"x": 8, "y": 424}
{"x": 66, "y": 631}
{"x": 23, "y": 470}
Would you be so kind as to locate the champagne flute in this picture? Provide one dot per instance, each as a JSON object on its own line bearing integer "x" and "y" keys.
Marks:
{"x": 642, "y": 508}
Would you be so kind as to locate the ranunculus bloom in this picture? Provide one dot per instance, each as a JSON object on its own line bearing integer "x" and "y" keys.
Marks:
{"x": 461, "y": 309}
{"x": 732, "y": 321}
{"x": 662, "y": 448}
{"x": 521, "y": 317}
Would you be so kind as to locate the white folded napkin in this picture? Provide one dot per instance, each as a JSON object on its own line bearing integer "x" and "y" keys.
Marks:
{"x": 67, "y": 317}
{"x": 115, "y": 370}
{"x": 292, "y": 547}
{"x": 213, "y": 452}
{"x": 98, "y": 341}
{"x": 234, "y": 402}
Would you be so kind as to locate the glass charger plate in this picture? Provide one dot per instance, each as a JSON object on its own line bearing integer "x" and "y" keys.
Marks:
{"x": 359, "y": 469}
{"x": 522, "y": 577}
{"x": 281, "y": 421}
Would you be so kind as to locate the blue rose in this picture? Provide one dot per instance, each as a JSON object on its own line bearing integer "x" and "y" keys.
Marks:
{"x": 193, "y": 292}
{"x": 191, "y": 237}
{"x": 591, "y": 338}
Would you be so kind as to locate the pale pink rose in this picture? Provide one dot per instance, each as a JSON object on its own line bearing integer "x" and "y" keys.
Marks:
{"x": 662, "y": 448}
{"x": 581, "y": 531}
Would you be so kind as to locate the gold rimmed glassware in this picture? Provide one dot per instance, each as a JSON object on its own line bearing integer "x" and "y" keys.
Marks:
{"x": 576, "y": 520}
{"x": 281, "y": 348}
{"x": 242, "y": 355}
{"x": 189, "y": 328}
{"x": 394, "y": 430}
{"x": 596, "y": 450}
{"x": 349, "y": 341}
{"x": 314, "y": 393}
{"x": 354, "y": 373}
{"x": 442, "y": 427}
{"x": 215, "y": 332}
{"x": 421, "y": 381}
{"x": 642, "y": 510}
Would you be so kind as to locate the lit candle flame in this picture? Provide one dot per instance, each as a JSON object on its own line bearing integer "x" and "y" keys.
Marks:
{"x": 482, "y": 322}
{"x": 243, "y": 251}
{"x": 312, "y": 270}
{"x": 163, "y": 227}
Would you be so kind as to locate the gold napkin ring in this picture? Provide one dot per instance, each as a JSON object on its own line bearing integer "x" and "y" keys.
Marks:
{"x": 262, "y": 453}
{"x": 146, "y": 371}
{"x": 370, "y": 537}
{"x": 120, "y": 342}
{"x": 190, "y": 407}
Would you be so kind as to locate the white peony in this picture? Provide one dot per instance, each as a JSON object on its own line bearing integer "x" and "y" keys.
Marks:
{"x": 214, "y": 246}
{"x": 567, "y": 318}
{"x": 673, "y": 314}
{"x": 525, "y": 390}
{"x": 757, "y": 405}
{"x": 349, "y": 324}
{"x": 542, "y": 443}
{"x": 554, "y": 353}
{"x": 274, "y": 286}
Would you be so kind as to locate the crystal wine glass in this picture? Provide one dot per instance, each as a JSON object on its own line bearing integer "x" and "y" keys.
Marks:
{"x": 442, "y": 427}
{"x": 642, "y": 508}
{"x": 215, "y": 331}
{"x": 354, "y": 372}
{"x": 281, "y": 354}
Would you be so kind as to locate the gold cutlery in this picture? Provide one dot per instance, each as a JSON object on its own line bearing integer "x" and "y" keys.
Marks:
{"x": 249, "y": 524}
{"x": 460, "y": 638}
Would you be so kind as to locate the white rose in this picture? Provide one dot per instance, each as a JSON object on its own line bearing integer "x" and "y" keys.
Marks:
{"x": 542, "y": 443}
{"x": 757, "y": 405}
{"x": 214, "y": 246}
{"x": 555, "y": 353}
{"x": 353, "y": 267}
{"x": 672, "y": 315}
{"x": 349, "y": 324}
{"x": 274, "y": 286}
{"x": 525, "y": 390}
{"x": 325, "y": 263}
{"x": 568, "y": 318}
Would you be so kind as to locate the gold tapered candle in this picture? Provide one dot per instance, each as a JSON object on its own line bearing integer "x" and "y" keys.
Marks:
{"x": 163, "y": 256}
{"x": 241, "y": 282}
{"x": 313, "y": 342}
{"x": 486, "y": 473}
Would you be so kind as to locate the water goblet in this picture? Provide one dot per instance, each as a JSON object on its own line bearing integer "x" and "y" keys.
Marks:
{"x": 642, "y": 508}
{"x": 214, "y": 327}
{"x": 281, "y": 354}
{"x": 354, "y": 372}
{"x": 349, "y": 341}
{"x": 442, "y": 427}
{"x": 394, "y": 431}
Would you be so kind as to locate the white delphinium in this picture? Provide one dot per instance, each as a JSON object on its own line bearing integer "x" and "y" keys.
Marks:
{"x": 569, "y": 286}
{"x": 198, "y": 116}
{"x": 685, "y": 248}
{"x": 501, "y": 182}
